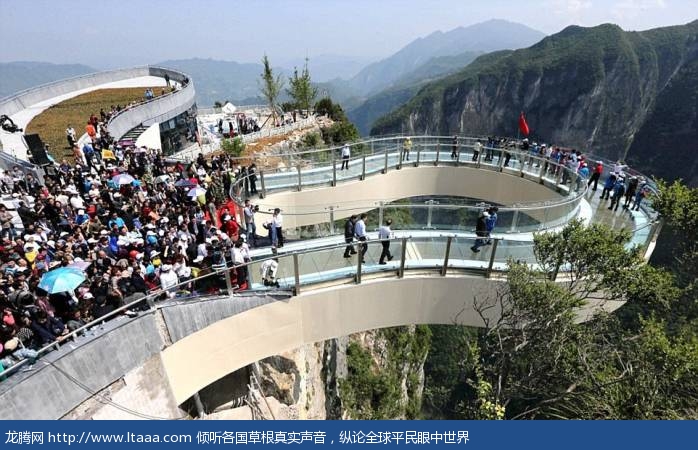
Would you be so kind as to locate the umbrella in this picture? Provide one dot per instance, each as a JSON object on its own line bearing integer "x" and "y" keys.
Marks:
{"x": 79, "y": 265}
{"x": 62, "y": 279}
{"x": 195, "y": 192}
{"x": 185, "y": 183}
{"x": 123, "y": 178}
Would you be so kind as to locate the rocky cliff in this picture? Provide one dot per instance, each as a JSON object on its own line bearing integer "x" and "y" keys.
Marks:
{"x": 600, "y": 89}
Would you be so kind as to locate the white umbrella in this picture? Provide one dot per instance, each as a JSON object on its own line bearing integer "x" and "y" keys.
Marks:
{"x": 195, "y": 192}
{"x": 123, "y": 178}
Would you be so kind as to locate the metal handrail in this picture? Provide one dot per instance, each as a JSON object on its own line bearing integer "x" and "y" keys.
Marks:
{"x": 470, "y": 164}
{"x": 294, "y": 255}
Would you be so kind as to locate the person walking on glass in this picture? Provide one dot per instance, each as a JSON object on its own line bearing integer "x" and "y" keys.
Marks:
{"x": 483, "y": 229}
{"x": 384, "y": 233}
{"x": 360, "y": 233}
{"x": 349, "y": 236}
{"x": 346, "y": 154}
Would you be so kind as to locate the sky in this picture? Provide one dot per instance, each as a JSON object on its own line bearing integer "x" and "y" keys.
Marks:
{"x": 117, "y": 33}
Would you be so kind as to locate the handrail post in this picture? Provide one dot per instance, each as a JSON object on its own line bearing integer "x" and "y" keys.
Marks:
{"x": 540, "y": 173}
{"x": 228, "y": 281}
{"x": 438, "y": 151}
{"x": 261, "y": 180}
{"x": 363, "y": 168}
{"x": 448, "y": 253}
{"x": 385, "y": 169}
{"x": 419, "y": 152}
{"x": 403, "y": 253}
{"x": 514, "y": 221}
{"x": 298, "y": 168}
{"x": 381, "y": 212}
{"x": 479, "y": 157}
{"x": 296, "y": 275}
{"x": 521, "y": 164}
{"x": 501, "y": 159}
{"x": 360, "y": 260}
{"x": 494, "y": 251}
{"x": 334, "y": 172}
{"x": 430, "y": 210}
{"x": 331, "y": 219}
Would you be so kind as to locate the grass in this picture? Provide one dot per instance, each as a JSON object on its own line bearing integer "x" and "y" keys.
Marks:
{"x": 51, "y": 123}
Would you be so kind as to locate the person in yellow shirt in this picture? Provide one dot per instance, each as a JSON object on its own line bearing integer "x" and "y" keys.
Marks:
{"x": 406, "y": 147}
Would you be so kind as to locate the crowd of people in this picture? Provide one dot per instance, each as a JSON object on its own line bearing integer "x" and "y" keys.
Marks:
{"x": 132, "y": 221}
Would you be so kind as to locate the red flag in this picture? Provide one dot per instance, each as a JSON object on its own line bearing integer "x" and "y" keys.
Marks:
{"x": 523, "y": 126}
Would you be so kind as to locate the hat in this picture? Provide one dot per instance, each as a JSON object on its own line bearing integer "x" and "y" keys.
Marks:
{"x": 226, "y": 217}
{"x": 164, "y": 220}
{"x": 154, "y": 253}
{"x": 87, "y": 296}
{"x": 15, "y": 195}
{"x": 165, "y": 268}
{"x": 64, "y": 233}
{"x": 12, "y": 344}
{"x": 92, "y": 241}
{"x": 8, "y": 318}
{"x": 117, "y": 195}
{"x": 103, "y": 232}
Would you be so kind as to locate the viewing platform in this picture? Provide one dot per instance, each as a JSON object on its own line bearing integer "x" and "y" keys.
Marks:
{"x": 434, "y": 276}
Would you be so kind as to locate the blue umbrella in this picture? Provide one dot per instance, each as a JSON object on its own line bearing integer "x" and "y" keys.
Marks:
{"x": 63, "y": 279}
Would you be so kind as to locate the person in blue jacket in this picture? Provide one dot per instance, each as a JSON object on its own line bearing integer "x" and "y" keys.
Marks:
{"x": 608, "y": 186}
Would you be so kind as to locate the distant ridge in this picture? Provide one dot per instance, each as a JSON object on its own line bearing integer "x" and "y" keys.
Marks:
{"x": 19, "y": 75}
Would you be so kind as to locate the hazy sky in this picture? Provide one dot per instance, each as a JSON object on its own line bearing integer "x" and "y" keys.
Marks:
{"x": 109, "y": 33}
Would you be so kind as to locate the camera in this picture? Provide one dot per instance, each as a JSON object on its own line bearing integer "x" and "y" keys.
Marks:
{"x": 255, "y": 208}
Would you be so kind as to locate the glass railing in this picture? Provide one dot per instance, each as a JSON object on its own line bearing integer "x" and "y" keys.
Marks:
{"x": 429, "y": 215}
{"x": 323, "y": 167}
{"x": 430, "y": 252}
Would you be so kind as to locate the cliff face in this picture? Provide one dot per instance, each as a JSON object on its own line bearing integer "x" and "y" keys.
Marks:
{"x": 590, "y": 88}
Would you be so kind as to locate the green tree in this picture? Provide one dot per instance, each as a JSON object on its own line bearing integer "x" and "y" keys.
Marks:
{"x": 534, "y": 360}
{"x": 325, "y": 107}
{"x": 678, "y": 205}
{"x": 233, "y": 147}
{"x": 271, "y": 86}
{"x": 301, "y": 88}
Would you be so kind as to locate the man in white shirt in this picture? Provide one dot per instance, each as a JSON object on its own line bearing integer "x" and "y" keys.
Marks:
{"x": 384, "y": 233}
{"x": 277, "y": 222}
{"x": 360, "y": 233}
{"x": 268, "y": 272}
{"x": 250, "y": 226}
{"x": 168, "y": 280}
{"x": 346, "y": 153}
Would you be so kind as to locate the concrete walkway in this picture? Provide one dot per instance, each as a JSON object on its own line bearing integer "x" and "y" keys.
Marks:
{"x": 13, "y": 143}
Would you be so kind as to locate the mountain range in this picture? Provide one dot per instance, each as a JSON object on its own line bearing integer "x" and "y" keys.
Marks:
{"x": 20, "y": 75}
{"x": 482, "y": 37}
{"x": 624, "y": 95}
{"x": 347, "y": 79}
